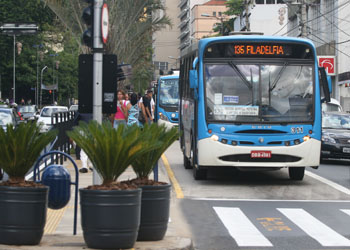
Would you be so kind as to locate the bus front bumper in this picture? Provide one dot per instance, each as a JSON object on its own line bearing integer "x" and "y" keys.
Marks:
{"x": 214, "y": 153}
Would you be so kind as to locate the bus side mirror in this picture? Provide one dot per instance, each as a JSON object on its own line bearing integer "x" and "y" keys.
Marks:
{"x": 326, "y": 84}
{"x": 193, "y": 79}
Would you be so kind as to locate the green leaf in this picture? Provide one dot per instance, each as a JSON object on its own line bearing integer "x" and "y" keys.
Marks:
{"x": 110, "y": 150}
{"x": 161, "y": 139}
{"x": 20, "y": 147}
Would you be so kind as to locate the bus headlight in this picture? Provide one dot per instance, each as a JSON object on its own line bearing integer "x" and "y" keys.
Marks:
{"x": 214, "y": 137}
{"x": 163, "y": 117}
{"x": 306, "y": 138}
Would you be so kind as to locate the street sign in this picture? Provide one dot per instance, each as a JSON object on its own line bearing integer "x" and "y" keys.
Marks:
{"x": 12, "y": 29}
{"x": 104, "y": 23}
{"x": 328, "y": 62}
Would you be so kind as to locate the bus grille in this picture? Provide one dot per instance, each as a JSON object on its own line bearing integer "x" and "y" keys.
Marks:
{"x": 247, "y": 158}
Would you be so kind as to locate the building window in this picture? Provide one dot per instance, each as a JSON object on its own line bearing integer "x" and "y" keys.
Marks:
{"x": 220, "y": 13}
{"x": 214, "y": 13}
{"x": 259, "y": 1}
{"x": 280, "y": 1}
{"x": 270, "y": 1}
{"x": 161, "y": 65}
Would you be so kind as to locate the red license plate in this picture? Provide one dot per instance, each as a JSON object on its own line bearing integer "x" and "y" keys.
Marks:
{"x": 260, "y": 154}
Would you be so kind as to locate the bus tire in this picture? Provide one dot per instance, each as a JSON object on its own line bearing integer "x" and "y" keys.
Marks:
{"x": 296, "y": 173}
{"x": 187, "y": 162}
{"x": 199, "y": 174}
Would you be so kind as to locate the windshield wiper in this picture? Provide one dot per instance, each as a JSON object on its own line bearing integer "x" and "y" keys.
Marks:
{"x": 274, "y": 84}
{"x": 240, "y": 74}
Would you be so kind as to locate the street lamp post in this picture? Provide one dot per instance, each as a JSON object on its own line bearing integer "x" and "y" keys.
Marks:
{"x": 41, "y": 84}
{"x": 221, "y": 18}
{"x": 15, "y": 29}
{"x": 14, "y": 68}
{"x": 37, "y": 46}
{"x": 221, "y": 21}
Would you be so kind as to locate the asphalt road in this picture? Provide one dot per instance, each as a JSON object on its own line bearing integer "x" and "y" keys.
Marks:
{"x": 265, "y": 210}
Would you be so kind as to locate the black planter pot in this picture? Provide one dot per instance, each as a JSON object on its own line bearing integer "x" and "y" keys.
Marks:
{"x": 155, "y": 207}
{"x": 110, "y": 218}
{"x": 22, "y": 214}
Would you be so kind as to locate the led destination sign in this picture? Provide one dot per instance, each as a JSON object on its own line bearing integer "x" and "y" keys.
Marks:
{"x": 260, "y": 49}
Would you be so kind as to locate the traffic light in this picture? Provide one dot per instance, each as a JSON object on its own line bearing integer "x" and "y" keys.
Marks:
{"x": 50, "y": 91}
{"x": 88, "y": 17}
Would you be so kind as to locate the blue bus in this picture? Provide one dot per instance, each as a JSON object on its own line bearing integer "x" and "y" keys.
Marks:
{"x": 251, "y": 102}
{"x": 167, "y": 103}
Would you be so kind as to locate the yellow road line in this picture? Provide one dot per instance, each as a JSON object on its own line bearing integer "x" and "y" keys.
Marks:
{"x": 53, "y": 219}
{"x": 176, "y": 185}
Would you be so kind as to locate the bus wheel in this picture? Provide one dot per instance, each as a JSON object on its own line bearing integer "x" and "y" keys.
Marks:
{"x": 296, "y": 173}
{"x": 199, "y": 174}
{"x": 187, "y": 162}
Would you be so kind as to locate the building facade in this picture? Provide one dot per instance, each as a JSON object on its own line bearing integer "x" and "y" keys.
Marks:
{"x": 185, "y": 7}
{"x": 269, "y": 17}
{"x": 205, "y": 16}
{"x": 327, "y": 25}
{"x": 165, "y": 42}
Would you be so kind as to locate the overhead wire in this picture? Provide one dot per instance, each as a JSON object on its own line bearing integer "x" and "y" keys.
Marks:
{"x": 297, "y": 26}
{"x": 332, "y": 23}
{"x": 329, "y": 45}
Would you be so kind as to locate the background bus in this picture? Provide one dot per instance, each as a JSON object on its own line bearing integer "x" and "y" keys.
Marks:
{"x": 167, "y": 103}
{"x": 251, "y": 102}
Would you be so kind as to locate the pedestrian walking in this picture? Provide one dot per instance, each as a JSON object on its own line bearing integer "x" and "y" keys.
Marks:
{"x": 145, "y": 103}
{"x": 121, "y": 116}
{"x": 134, "y": 111}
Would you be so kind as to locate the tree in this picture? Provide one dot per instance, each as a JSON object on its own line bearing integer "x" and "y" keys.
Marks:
{"x": 26, "y": 12}
{"x": 51, "y": 34}
{"x": 131, "y": 26}
{"x": 235, "y": 7}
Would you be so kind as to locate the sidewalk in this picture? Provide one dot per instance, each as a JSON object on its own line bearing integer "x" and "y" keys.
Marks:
{"x": 58, "y": 232}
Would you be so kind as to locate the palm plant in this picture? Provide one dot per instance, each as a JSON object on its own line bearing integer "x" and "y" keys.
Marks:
{"x": 110, "y": 150}
{"x": 20, "y": 147}
{"x": 154, "y": 135}
{"x": 132, "y": 23}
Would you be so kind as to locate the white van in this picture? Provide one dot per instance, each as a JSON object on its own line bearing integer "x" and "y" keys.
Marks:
{"x": 333, "y": 105}
{"x": 45, "y": 116}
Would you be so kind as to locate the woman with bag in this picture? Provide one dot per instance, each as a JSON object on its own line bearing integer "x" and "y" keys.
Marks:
{"x": 121, "y": 116}
{"x": 134, "y": 111}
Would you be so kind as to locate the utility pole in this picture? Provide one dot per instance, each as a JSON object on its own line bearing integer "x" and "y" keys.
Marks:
{"x": 303, "y": 18}
{"x": 247, "y": 23}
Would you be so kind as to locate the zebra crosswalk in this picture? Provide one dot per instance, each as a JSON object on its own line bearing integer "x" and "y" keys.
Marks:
{"x": 247, "y": 234}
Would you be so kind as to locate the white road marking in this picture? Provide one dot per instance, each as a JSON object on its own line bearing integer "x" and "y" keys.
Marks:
{"x": 347, "y": 211}
{"x": 326, "y": 236}
{"x": 230, "y": 199}
{"x": 240, "y": 228}
{"x": 328, "y": 182}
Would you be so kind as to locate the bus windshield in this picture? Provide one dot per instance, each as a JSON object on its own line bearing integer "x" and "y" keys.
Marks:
{"x": 169, "y": 92}
{"x": 259, "y": 92}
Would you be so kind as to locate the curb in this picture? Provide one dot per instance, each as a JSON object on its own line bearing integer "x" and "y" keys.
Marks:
{"x": 70, "y": 242}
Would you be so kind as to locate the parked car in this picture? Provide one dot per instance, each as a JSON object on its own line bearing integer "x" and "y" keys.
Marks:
{"x": 28, "y": 112}
{"x": 8, "y": 116}
{"x": 333, "y": 105}
{"x": 73, "y": 107}
{"x": 335, "y": 135}
{"x": 45, "y": 116}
